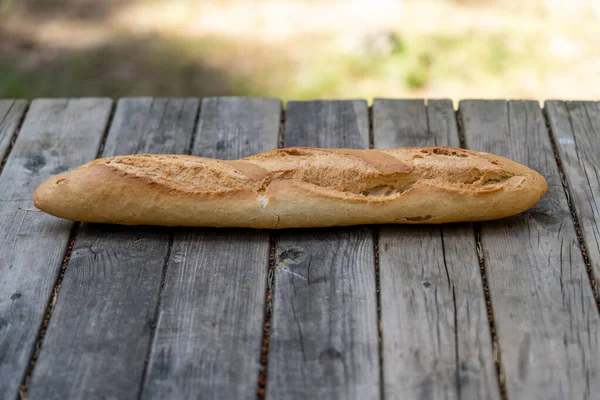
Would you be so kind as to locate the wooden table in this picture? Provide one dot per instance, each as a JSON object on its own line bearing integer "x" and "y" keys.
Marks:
{"x": 504, "y": 309}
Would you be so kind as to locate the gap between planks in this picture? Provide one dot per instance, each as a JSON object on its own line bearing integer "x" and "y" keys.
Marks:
{"x": 377, "y": 276}
{"x": 588, "y": 266}
{"x": 14, "y": 136}
{"x": 378, "y": 299}
{"x": 264, "y": 354}
{"x": 496, "y": 353}
{"x": 55, "y": 292}
{"x": 196, "y": 122}
{"x": 49, "y": 310}
{"x": 163, "y": 276}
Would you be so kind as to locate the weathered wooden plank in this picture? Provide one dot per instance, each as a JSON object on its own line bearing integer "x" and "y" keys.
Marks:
{"x": 152, "y": 125}
{"x": 101, "y": 326}
{"x": 441, "y": 122}
{"x": 327, "y": 124}
{"x": 323, "y": 339}
{"x": 209, "y": 334}
{"x": 235, "y": 127}
{"x": 436, "y": 338}
{"x": 545, "y": 315}
{"x": 576, "y": 130}
{"x": 56, "y": 135}
{"x": 11, "y": 113}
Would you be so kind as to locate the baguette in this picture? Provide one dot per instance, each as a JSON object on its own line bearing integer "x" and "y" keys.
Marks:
{"x": 295, "y": 187}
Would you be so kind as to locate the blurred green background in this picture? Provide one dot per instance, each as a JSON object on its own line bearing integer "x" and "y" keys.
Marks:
{"x": 301, "y": 49}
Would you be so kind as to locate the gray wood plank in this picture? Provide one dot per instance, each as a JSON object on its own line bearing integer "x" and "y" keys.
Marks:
{"x": 545, "y": 315}
{"x": 152, "y": 125}
{"x": 441, "y": 122}
{"x": 436, "y": 338}
{"x": 323, "y": 338}
{"x": 56, "y": 135}
{"x": 236, "y": 127}
{"x": 11, "y": 113}
{"x": 101, "y": 327}
{"x": 576, "y": 130}
{"x": 209, "y": 334}
{"x": 327, "y": 124}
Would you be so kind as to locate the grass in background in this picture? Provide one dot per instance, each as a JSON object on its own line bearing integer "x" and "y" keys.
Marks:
{"x": 157, "y": 48}
{"x": 128, "y": 66}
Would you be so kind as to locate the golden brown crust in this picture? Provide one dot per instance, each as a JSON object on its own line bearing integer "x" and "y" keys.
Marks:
{"x": 295, "y": 187}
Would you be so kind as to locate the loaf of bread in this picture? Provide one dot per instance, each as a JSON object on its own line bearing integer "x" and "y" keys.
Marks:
{"x": 295, "y": 187}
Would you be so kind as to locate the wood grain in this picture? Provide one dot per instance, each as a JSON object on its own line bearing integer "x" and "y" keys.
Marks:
{"x": 323, "y": 339}
{"x": 436, "y": 338}
{"x": 576, "y": 129}
{"x": 545, "y": 315}
{"x": 152, "y": 125}
{"x": 11, "y": 113}
{"x": 327, "y": 124}
{"x": 57, "y": 135}
{"x": 100, "y": 330}
{"x": 236, "y": 127}
{"x": 209, "y": 334}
